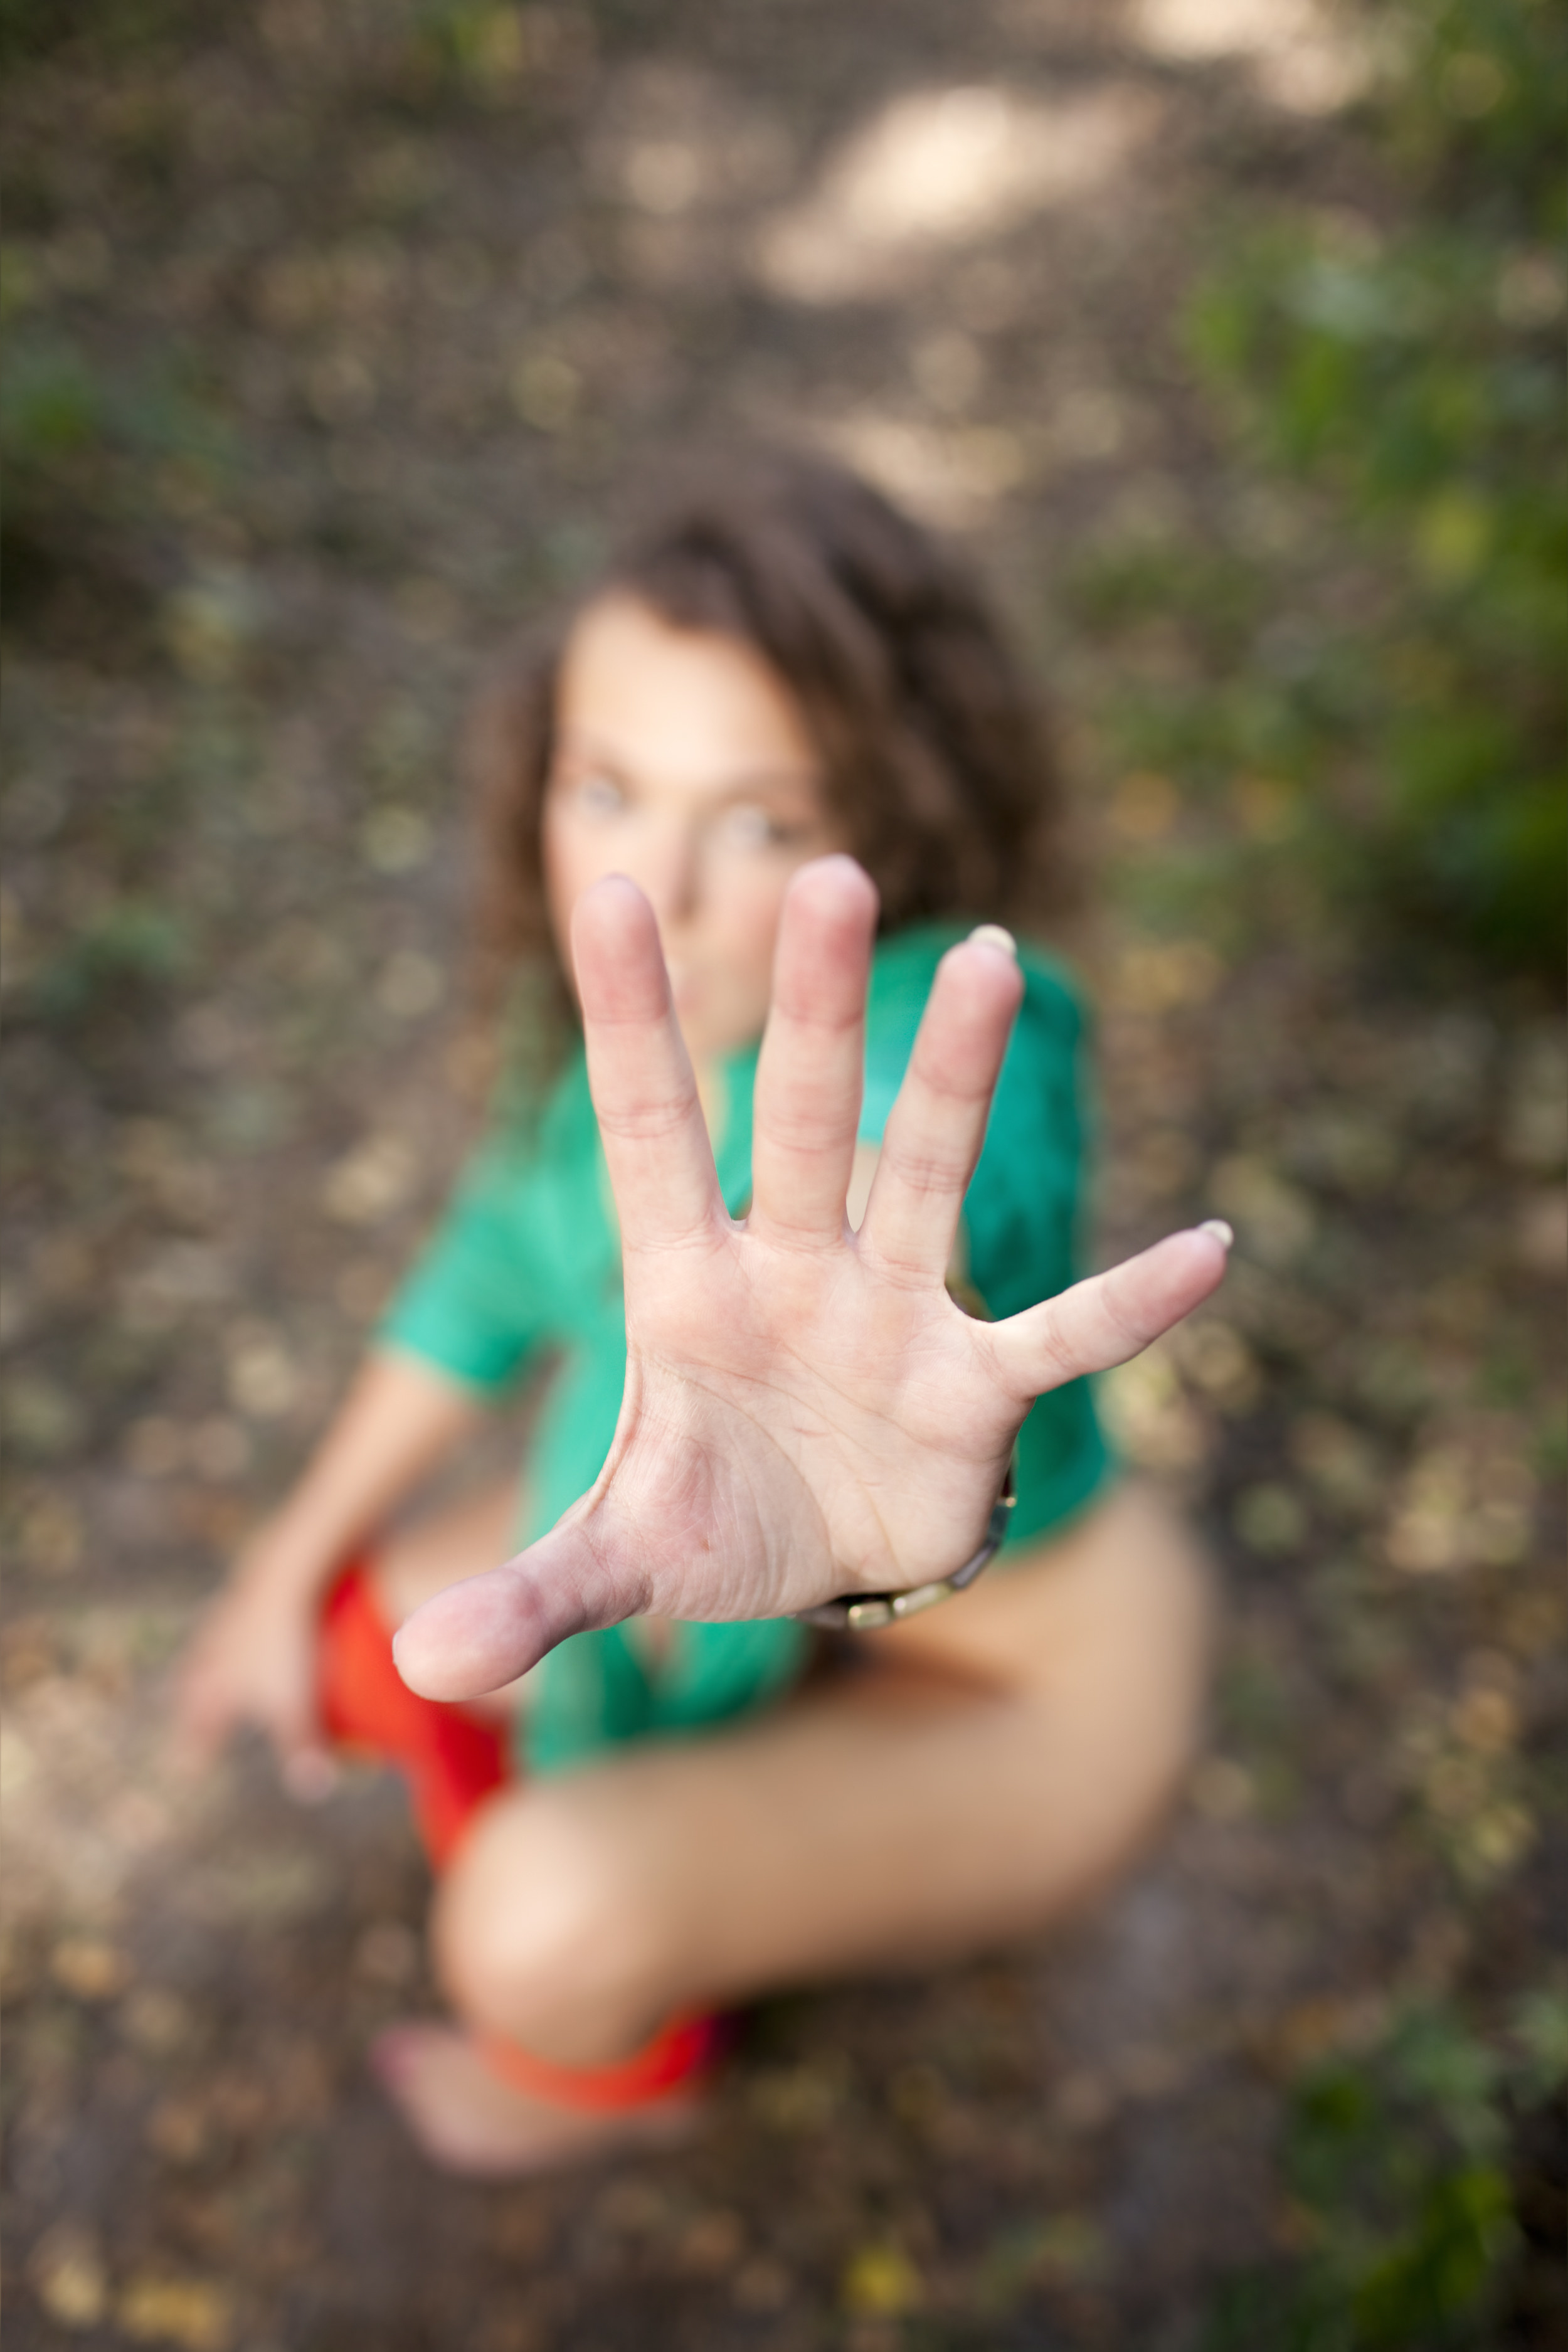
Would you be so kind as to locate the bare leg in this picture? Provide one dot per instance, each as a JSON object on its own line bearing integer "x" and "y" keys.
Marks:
{"x": 465, "y": 2116}
{"x": 988, "y": 1768}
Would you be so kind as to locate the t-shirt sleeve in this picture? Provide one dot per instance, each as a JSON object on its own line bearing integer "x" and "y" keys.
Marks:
{"x": 1023, "y": 1210}
{"x": 471, "y": 1303}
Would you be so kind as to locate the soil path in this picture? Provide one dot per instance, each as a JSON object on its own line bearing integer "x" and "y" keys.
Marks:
{"x": 377, "y": 309}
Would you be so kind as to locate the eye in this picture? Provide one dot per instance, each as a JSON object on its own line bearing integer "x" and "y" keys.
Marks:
{"x": 748, "y": 827}
{"x": 598, "y": 795}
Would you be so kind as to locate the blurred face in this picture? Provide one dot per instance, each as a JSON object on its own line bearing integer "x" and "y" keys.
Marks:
{"x": 681, "y": 761}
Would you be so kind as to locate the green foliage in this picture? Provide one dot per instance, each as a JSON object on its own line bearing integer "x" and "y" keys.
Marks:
{"x": 57, "y": 408}
{"x": 50, "y": 405}
{"x": 132, "y": 947}
{"x": 89, "y": 458}
{"x": 1400, "y": 666}
{"x": 479, "y": 46}
{"x": 1541, "y": 2031}
{"x": 1395, "y": 2160}
{"x": 31, "y": 29}
{"x": 1478, "y": 100}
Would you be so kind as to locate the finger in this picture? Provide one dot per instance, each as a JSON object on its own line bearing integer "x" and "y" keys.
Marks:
{"x": 306, "y": 1762}
{"x": 194, "y": 1738}
{"x": 309, "y": 1773}
{"x": 202, "y": 1718}
{"x": 937, "y": 1123}
{"x": 1111, "y": 1316}
{"x": 655, "y": 1143}
{"x": 480, "y": 1634}
{"x": 809, "y": 1073}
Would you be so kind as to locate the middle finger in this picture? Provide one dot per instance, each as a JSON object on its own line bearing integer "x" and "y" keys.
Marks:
{"x": 809, "y": 1073}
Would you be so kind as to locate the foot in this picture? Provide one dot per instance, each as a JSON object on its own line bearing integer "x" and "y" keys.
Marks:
{"x": 467, "y": 2120}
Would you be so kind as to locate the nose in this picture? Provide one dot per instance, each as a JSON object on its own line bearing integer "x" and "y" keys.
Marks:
{"x": 667, "y": 870}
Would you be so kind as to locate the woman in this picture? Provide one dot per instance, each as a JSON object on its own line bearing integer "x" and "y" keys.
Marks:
{"x": 782, "y": 703}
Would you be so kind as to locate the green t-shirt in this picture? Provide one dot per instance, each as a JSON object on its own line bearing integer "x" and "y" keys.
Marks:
{"x": 526, "y": 1262}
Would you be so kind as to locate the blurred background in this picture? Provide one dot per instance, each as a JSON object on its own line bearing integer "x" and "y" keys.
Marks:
{"x": 1226, "y": 334}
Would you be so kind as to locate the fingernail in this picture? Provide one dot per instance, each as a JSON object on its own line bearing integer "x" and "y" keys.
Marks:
{"x": 1219, "y": 1229}
{"x": 992, "y": 935}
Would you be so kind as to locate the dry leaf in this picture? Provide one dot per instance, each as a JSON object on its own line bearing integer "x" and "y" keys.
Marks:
{"x": 193, "y": 2313}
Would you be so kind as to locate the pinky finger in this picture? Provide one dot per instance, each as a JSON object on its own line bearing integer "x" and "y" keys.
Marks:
{"x": 1112, "y": 1315}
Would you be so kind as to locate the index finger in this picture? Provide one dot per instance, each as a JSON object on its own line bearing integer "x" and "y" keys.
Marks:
{"x": 639, "y": 1072}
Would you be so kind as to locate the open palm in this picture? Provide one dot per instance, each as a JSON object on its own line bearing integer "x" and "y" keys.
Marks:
{"x": 807, "y": 1413}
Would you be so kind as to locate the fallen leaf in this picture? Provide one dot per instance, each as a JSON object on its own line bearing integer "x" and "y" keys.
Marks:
{"x": 882, "y": 2282}
{"x": 90, "y": 1967}
{"x": 711, "y": 2244}
{"x": 196, "y": 2313}
{"x": 67, "y": 2272}
{"x": 1269, "y": 1518}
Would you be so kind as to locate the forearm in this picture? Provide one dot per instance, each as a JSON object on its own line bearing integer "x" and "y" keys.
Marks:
{"x": 400, "y": 1418}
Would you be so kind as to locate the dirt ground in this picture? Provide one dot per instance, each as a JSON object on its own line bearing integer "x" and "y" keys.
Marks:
{"x": 374, "y": 312}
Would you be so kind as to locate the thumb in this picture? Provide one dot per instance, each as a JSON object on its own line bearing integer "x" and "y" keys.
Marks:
{"x": 482, "y": 1633}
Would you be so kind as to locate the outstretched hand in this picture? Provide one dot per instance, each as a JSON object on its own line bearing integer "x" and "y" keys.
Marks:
{"x": 806, "y": 1411}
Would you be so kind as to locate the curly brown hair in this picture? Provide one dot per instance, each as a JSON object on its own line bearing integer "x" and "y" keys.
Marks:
{"x": 936, "y": 760}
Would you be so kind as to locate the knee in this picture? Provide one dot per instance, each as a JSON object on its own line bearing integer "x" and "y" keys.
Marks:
{"x": 1162, "y": 1716}
{"x": 1162, "y": 1665}
{"x": 545, "y": 1929}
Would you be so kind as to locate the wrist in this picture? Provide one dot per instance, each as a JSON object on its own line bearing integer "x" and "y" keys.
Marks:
{"x": 294, "y": 1557}
{"x": 859, "y": 1613}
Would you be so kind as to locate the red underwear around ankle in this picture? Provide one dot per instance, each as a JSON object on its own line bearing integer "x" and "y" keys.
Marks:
{"x": 680, "y": 2054}
{"x": 452, "y": 1758}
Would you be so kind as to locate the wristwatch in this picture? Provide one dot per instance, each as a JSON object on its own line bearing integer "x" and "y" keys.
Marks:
{"x": 862, "y": 1612}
